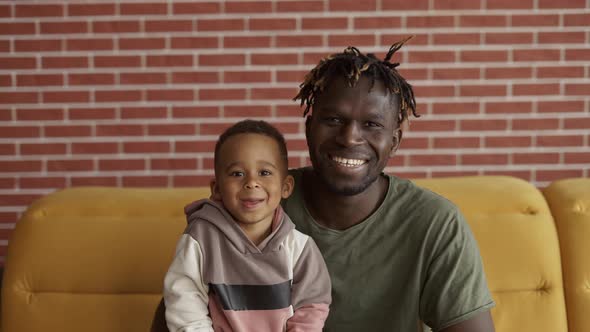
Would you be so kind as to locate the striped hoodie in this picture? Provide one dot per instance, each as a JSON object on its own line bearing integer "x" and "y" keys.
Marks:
{"x": 220, "y": 281}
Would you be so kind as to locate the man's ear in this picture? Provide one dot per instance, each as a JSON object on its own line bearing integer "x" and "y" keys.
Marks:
{"x": 307, "y": 126}
{"x": 288, "y": 185}
{"x": 396, "y": 140}
{"x": 215, "y": 194}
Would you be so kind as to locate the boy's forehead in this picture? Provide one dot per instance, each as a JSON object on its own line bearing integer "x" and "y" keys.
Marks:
{"x": 244, "y": 139}
{"x": 236, "y": 145}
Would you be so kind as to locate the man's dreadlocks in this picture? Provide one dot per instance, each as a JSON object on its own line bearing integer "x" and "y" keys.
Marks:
{"x": 352, "y": 64}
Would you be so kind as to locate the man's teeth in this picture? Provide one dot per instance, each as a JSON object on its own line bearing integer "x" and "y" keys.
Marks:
{"x": 348, "y": 162}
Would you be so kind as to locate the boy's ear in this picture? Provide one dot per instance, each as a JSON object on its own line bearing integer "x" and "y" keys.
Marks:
{"x": 288, "y": 185}
{"x": 215, "y": 194}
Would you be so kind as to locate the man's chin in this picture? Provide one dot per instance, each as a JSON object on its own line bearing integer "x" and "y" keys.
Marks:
{"x": 346, "y": 191}
{"x": 345, "y": 188}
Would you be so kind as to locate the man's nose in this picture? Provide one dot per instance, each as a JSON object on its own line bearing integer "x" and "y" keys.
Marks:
{"x": 351, "y": 134}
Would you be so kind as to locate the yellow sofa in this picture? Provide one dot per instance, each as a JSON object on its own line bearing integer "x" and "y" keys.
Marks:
{"x": 93, "y": 258}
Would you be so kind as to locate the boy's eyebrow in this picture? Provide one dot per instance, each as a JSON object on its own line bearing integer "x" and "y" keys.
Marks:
{"x": 269, "y": 164}
{"x": 231, "y": 165}
{"x": 264, "y": 162}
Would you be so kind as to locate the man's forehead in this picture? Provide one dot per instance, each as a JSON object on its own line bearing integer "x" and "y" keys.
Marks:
{"x": 338, "y": 90}
{"x": 339, "y": 85}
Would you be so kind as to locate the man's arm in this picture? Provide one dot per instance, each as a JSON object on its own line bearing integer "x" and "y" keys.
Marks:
{"x": 482, "y": 322}
{"x": 455, "y": 295}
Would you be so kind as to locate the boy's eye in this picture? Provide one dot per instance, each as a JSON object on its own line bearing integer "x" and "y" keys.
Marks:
{"x": 236, "y": 173}
{"x": 265, "y": 173}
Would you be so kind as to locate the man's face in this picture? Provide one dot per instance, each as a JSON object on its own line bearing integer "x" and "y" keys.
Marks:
{"x": 351, "y": 134}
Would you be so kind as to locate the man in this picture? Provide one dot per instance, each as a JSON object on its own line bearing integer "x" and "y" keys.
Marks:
{"x": 397, "y": 254}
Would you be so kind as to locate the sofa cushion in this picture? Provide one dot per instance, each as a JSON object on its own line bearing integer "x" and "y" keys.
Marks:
{"x": 518, "y": 242}
{"x": 92, "y": 259}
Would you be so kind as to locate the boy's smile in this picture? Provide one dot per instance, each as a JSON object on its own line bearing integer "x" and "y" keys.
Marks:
{"x": 251, "y": 203}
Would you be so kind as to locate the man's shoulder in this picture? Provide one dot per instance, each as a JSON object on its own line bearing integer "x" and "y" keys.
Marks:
{"x": 413, "y": 196}
{"x": 297, "y": 172}
{"x": 294, "y": 205}
{"x": 417, "y": 210}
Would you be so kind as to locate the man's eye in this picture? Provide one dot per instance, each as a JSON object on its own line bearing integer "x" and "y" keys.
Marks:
{"x": 333, "y": 120}
{"x": 236, "y": 173}
{"x": 372, "y": 124}
{"x": 265, "y": 173}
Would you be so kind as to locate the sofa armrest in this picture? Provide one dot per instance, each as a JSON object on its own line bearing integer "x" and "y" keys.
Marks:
{"x": 1, "y": 274}
{"x": 569, "y": 201}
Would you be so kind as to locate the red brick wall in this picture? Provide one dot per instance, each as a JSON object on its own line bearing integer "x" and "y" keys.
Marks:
{"x": 134, "y": 93}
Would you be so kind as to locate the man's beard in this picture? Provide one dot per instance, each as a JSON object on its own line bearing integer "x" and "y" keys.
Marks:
{"x": 348, "y": 190}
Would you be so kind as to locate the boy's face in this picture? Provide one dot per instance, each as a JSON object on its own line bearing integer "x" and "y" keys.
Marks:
{"x": 251, "y": 178}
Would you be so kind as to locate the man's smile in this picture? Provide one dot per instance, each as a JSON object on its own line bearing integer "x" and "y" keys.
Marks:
{"x": 348, "y": 162}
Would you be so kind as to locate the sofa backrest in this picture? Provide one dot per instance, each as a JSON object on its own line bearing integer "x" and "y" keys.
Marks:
{"x": 92, "y": 259}
{"x": 519, "y": 246}
{"x": 570, "y": 204}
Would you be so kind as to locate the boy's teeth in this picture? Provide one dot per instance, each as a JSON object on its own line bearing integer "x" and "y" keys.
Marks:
{"x": 348, "y": 162}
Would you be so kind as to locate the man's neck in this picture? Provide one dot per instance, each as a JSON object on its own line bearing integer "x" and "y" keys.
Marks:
{"x": 337, "y": 211}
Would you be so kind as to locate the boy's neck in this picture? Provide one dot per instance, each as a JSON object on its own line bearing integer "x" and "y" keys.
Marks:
{"x": 257, "y": 232}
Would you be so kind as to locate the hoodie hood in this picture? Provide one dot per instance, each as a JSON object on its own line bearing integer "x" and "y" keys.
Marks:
{"x": 213, "y": 212}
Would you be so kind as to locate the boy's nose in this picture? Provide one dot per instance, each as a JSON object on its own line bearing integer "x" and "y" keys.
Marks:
{"x": 251, "y": 183}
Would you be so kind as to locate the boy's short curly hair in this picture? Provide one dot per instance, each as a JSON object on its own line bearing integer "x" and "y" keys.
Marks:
{"x": 253, "y": 127}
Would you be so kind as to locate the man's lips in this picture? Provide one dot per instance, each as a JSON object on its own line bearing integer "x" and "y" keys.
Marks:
{"x": 348, "y": 162}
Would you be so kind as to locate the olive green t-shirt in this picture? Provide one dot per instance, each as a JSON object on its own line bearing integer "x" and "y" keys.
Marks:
{"x": 414, "y": 259}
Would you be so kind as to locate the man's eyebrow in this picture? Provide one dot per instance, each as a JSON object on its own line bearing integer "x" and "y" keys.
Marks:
{"x": 376, "y": 116}
{"x": 331, "y": 108}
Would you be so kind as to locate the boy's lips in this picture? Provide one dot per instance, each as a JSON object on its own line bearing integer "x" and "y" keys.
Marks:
{"x": 250, "y": 203}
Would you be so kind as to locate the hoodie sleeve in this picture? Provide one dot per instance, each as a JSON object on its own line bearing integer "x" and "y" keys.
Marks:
{"x": 311, "y": 291}
{"x": 185, "y": 294}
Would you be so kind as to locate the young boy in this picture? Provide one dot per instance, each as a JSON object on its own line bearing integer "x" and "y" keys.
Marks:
{"x": 240, "y": 264}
